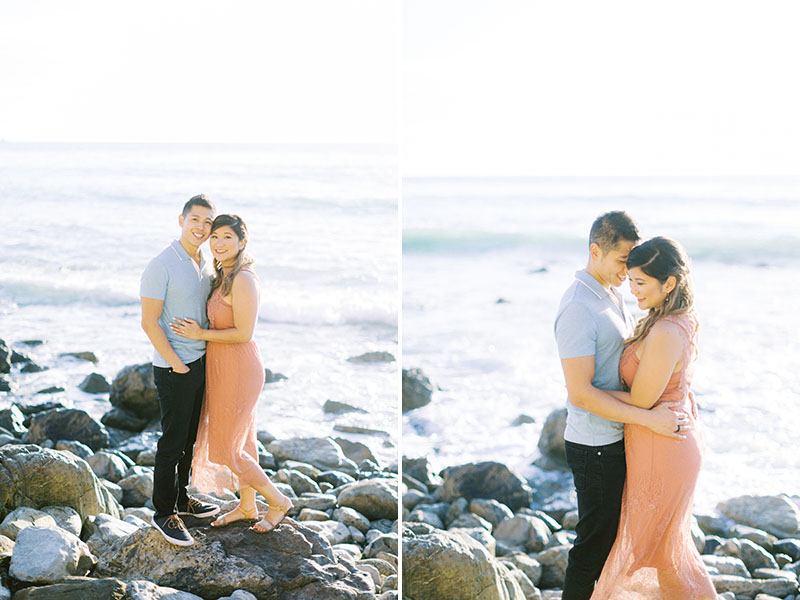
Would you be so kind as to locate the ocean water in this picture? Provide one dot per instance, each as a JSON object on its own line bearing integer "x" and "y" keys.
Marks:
{"x": 469, "y": 242}
{"x": 81, "y": 222}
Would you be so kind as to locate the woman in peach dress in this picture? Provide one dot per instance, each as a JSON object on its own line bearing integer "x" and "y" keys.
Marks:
{"x": 654, "y": 556}
{"x": 225, "y": 454}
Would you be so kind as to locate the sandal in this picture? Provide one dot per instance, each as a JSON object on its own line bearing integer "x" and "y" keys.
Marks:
{"x": 268, "y": 525}
{"x": 247, "y": 515}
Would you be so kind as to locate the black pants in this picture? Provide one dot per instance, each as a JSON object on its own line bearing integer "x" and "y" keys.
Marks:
{"x": 599, "y": 473}
{"x": 180, "y": 397}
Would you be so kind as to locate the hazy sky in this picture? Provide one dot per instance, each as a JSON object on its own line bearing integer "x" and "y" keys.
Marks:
{"x": 200, "y": 71}
{"x": 527, "y": 87}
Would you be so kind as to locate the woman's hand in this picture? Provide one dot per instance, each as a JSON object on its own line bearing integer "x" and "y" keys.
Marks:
{"x": 188, "y": 328}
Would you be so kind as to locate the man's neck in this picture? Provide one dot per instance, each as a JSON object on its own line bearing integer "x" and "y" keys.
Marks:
{"x": 191, "y": 250}
{"x": 593, "y": 273}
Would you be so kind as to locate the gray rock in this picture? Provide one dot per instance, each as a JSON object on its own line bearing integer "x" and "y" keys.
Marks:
{"x": 43, "y": 555}
{"x": 352, "y": 518}
{"x": 726, "y": 565}
{"x": 750, "y": 587}
{"x": 528, "y": 589}
{"x": 493, "y": 511}
{"x": 133, "y": 446}
{"x": 134, "y": 390}
{"x": 570, "y": 520}
{"x": 119, "y": 418}
{"x": 299, "y": 482}
{"x": 65, "y": 517}
{"x": 94, "y": 383}
{"x": 530, "y": 566}
{"x": 522, "y": 420}
{"x": 67, "y": 424}
{"x": 373, "y": 498}
{"x": 6, "y": 385}
{"x": 310, "y": 514}
{"x": 137, "y": 489}
{"x": 38, "y": 477}
{"x": 356, "y": 451}
{"x": 372, "y": 357}
{"x": 273, "y": 377}
{"x": 714, "y": 525}
{"x": 463, "y": 568}
{"x": 32, "y": 367}
{"x": 417, "y": 389}
{"x": 292, "y": 562}
{"x": 142, "y": 589}
{"x": 422, "y": 471}
{"x": 486, "y": 480}
{"x": 5, "y": 357}
{"x": 470, "y": 521}
{"x": 108, "y": 530}
{"x": 334, "y": 478}
{"x": 551, "y": 441}
{"x": 315, "y": 501}
{"x": 107, "y": 465}
{"x": 337, "y": 408}
{"x": 789, "y": 547}
{"x": 757, "y": 536}
{"x": 414, "y": 497}
{"x": 53, "y": 389}
{"x": 421, "y": 515}
{"x": 333, "y": 531}
{"x": 22, "y": 518}
{"x": 756, "y": 557}
{"x": 79, "y": 449}
{"x": 554, "y": 566}
{"x": 322, "y": 453}
{"x": 77, "y": 588}
{"x": 523, "y": 531}
{"x": 88, "y": 356}
{"x": 777, "y": 515}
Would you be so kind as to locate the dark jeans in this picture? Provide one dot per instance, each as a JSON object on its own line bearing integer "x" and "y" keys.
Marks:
{"x": 180, "y": 397}
{"x": 599, "y": 473}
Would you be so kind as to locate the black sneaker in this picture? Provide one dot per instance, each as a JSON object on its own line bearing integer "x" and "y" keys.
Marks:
{"x": 173, "y": 530}
{"x": 195, "y": 508}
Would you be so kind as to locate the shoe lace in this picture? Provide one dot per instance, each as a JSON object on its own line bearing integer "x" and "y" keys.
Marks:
{"x": 174, "y": 522}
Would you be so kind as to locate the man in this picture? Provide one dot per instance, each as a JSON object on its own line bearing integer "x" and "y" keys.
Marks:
{"x": 176, "y": 283}
{"x": 591, "y": 324}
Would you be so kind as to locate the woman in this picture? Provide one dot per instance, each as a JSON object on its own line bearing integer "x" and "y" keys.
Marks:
{"x": 654, "y": 556}
{"x": 225, "y": 454}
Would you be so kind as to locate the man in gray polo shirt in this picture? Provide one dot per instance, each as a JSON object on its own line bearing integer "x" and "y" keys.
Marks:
{"x": 176, "y": 283}
{"x": 591, "y": 324}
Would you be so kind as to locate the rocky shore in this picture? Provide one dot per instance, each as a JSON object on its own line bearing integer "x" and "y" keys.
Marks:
{"x": 498, "y": 536}
{"x": 75, "y": 510}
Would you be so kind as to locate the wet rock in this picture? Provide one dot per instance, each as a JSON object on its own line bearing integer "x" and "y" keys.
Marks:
{"x": 372, "y": 357}
{"x": 356, "y": 451}
{"x": 270, "y": 377}
{"x": 334, "y": 407}
{"x": 292, "y": 562}
{"x": 67, "y": 424}
{"x": 31, "y": 409}
{"x": 522, "y": 420}
{"x": 6, "y": 385}
{"x": 777, "y": 515}
{"x": 43, "y": 555}
{"x": 134, "y": 390}
{"x": 360, "y": 429}
{"x": 12, "y": 419}
{"x": 19, "y": 357}
{"x": 89, "y": 356}
{"x": 373, "y": 498}
{"x": 551, "y": 442}
{"x": 94, "y": 383}
{"x": 32, "y": 342}
{"x": 486, "y": 480}
{"x": 32, "y": 367}
{"x": 463, "y": 568}
{"x": 5, "y": 357}
{"x": 53, "y": 389}
{"x": 417, "y": 389}
{"x": 77, "y": 588}
{"x": 37, "y": 477}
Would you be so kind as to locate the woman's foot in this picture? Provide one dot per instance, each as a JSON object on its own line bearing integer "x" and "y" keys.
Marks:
{"x": 278, "y": 514}
{"x": 237, "y": 514}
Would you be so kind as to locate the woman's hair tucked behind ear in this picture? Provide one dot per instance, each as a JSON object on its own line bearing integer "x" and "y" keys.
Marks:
{"x": 663, "y": 258}
{"x": 243, "y": 259}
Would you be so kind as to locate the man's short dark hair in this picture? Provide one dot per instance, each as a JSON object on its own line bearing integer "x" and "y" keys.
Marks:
{"x": 199, "y": 200}
{"x": 610, "y": 228}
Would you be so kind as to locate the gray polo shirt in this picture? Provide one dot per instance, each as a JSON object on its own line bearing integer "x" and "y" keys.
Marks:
{"x": 592, "y": 321}
{"x": 175, "y": 278}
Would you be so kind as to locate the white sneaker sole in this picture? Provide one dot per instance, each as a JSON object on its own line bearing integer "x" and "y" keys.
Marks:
{"x": 209, "y": 513}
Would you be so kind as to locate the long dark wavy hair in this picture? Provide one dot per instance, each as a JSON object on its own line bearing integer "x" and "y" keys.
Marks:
{"x": 243, "y": 259}
{"x": 663, "y": 258}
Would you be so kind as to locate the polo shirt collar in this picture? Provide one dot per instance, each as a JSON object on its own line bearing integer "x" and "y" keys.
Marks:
{"x": 184, "y": 255}
{"x": 592, "y": 284}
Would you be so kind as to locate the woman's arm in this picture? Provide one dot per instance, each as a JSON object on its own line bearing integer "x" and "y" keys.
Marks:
{"x": 662, "y": 349}
{"x": 244, "y": 299}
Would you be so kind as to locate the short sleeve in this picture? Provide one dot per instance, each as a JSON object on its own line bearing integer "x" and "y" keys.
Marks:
{"x": 576, "y": 332}
{"x": 154, "y": 281}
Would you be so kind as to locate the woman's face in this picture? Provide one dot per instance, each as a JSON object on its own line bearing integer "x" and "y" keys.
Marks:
{"x": 649, "y": 291}
{"x": 225, "y": 244}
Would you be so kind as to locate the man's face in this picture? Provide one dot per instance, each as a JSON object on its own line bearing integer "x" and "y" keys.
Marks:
{"x": 610, "y": 266}
{"x": 196, "y": 225}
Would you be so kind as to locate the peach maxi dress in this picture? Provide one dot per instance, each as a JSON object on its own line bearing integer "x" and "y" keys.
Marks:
{"x": 654, "y": 556}
{"x": 226, "y": 435}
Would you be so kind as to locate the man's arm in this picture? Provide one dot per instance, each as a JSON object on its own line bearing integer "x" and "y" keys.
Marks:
{"x": 151, "y": 312}
{"x": 579, "y": 372}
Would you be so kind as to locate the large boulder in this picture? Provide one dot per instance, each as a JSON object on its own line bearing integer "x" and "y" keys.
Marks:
{"x": 551, "y": 441}
{"x": 777, "y": 515}
{"x": 417, "y": 389}
{"x": 77, "y": 588}
{"x": 444, "y": 565}
{"x": 44, "y": 555}
{"x": 38, "y": 477}
{"x": 323, "y": 453}
{"x": 135, "y": 390}
{"x": 373, "y": 498}
{"x": 67, "y": 424}
{"x": 94, "y": 383}
{"x": 292, "y": 562}
{"x": 22, "y": 518}
{"x": 486, "y": 480}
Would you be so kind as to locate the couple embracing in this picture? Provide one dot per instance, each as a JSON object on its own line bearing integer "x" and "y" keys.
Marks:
{"x": 208, "y": 374}
{"x": 634, "y": 492}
